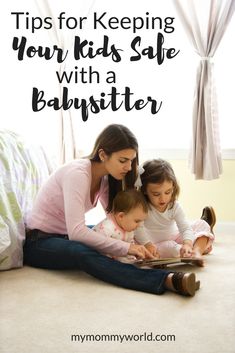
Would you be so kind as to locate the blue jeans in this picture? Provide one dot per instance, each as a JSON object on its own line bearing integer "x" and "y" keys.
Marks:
{"x": 58, "y": 252}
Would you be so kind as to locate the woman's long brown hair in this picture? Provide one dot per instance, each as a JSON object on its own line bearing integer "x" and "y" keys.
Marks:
{"x": 112, "y": 139}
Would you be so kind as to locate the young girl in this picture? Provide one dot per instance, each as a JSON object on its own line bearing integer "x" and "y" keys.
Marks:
{"x": 129, "y": 210}
{"x": 166, "y": 224}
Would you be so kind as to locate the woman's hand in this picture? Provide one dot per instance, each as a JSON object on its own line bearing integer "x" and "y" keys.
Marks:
{"x": 152, "y": 249}
{"x": 140, "y": 251}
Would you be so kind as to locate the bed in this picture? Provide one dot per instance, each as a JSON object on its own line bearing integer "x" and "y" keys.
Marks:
{"x": 23, "y": 168}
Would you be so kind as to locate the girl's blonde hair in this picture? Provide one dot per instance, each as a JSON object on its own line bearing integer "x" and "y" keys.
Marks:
{"x": 157, "y": 171}
{"x": 127, "y": 200}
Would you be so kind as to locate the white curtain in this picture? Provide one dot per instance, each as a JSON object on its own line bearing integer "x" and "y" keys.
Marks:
{"x": 205, "y": 155}
{"x": 64, "y": 40}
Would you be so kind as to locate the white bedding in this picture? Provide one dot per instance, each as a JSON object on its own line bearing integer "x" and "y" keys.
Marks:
{"x": 23, "y": 168}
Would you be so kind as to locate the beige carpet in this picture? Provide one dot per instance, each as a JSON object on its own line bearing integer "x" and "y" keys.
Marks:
{"x": 40, "y": 310}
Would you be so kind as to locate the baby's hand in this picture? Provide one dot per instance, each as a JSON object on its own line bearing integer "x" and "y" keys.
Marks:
{"x": 152, "y": 249}
{"x": 186, "y": 250}
{"x": 140, "y": 251}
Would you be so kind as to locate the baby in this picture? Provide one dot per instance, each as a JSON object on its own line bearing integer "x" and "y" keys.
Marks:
{"x": 129, "y": 210}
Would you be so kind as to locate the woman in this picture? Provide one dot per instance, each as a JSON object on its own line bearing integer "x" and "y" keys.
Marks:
{"x": 59, "y": 238}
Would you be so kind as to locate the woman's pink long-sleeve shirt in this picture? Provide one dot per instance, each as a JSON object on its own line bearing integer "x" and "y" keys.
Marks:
{"x": 62, "y": 202}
